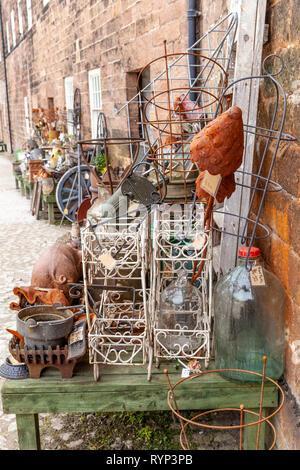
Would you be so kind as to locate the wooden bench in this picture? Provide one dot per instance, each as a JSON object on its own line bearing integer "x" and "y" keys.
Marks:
{"x": 125, "y": 388}
{"x": 50, "y": 200}
{"x": 28, "y": 187}
{"x": 25, "y": 186}
{"x": 3, "y": 147}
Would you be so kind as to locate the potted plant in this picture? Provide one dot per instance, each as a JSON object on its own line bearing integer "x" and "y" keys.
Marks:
{"x": 100, "y": 163}
{"x": 48, "y": 122}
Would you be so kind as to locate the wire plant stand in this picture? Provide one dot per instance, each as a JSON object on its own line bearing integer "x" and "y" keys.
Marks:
{"x": 115, "y": 261}
{"x": 205, "y": 65}
{"x": 259, "y": 420}
{"x": 115, "y": 337}
{"x": 248, "y": 228}
{"x": 179, "y": 241}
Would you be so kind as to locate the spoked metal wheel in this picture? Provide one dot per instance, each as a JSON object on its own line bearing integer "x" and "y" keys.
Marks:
{"x": 72, "y": 189}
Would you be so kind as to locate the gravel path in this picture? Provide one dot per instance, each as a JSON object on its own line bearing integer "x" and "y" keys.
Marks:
{"x": 22, "y": 238}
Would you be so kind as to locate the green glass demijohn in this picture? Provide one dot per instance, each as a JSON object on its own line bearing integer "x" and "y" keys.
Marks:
{"x": 249, "y": 320}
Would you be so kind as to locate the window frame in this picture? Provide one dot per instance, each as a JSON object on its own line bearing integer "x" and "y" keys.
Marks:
{"x": 95, "y": 96}
{"x": 29, "y": 14}
{"x": 69, "y": 101}
{"x": 27, "y": 117}
{"x": 20, "y": 18}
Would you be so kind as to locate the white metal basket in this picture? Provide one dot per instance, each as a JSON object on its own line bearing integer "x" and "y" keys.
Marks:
{"x": 115, "y": 256}
{"x": 180, "y": 244}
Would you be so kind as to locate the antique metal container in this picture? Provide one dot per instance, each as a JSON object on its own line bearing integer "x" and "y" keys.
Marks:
{"x": 43, "y": 325}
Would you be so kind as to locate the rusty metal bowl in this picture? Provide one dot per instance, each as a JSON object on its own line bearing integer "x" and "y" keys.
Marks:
{"x": 43, "y": 325}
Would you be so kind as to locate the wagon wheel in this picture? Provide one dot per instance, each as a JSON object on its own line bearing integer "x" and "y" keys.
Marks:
{"x": 69, "y": 194}
{"x": 102, "y": 132}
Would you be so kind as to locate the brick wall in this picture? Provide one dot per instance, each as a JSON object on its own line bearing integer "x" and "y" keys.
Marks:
{"x": 71, "y": 37}
{"x": 282, "y": 210}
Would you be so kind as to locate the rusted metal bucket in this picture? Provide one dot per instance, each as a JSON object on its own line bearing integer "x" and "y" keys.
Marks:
{"x": 44, "y": 325}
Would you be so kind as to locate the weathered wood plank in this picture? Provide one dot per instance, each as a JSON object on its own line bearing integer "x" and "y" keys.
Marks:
{"x": 117, "y": 378}
{"x": 248, "y": 63}
{"x": 28, "y": 431}
{"x": 132, "y": 400}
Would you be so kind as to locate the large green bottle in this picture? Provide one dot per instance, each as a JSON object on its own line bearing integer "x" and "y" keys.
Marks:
{"x": 249, "y": 320}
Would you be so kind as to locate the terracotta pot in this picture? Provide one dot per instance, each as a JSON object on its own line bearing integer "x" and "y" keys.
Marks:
{"x": 53, "y": 135}
{"x": 93, "y": 187}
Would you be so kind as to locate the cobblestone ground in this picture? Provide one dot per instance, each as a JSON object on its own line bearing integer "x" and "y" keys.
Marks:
{"x": 22, "y": 238}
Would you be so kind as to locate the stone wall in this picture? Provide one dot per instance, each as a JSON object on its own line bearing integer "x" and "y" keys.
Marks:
{"x": 71, "y": 37}
{"x": 281, "y": 211}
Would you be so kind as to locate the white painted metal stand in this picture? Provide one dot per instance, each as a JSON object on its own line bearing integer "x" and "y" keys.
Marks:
{"x": 176, "y": 233}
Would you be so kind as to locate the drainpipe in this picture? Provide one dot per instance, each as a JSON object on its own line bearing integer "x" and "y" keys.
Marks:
{"x": 5, "y": 79}
{"x": 192, "y": 14}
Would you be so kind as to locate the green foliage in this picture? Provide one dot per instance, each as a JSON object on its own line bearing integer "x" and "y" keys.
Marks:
{"x": 100, "y": 163}
{"x": 136, "y": 417}
{"x": 145, "y": 433}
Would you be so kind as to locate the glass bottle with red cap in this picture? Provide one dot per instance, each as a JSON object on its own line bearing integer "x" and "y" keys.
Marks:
{"x": 249, "y": 311}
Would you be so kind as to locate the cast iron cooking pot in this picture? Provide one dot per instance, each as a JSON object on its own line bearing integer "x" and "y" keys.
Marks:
{"x": 44, "y": 325}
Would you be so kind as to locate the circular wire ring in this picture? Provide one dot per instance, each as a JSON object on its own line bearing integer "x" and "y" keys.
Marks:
{"x": 182, "y": 433}
{"x": 171, "y": 392}
{"x": 264, "y": 64}
{"x": 181, "y": 55}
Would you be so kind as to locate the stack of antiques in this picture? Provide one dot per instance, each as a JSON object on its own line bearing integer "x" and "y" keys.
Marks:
{"x": 139, "y": 271}
{"x": 137, "y": 283}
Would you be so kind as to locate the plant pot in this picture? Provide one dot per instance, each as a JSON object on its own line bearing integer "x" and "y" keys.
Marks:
{"x": 43, "y": 325}
{"x": 53, "y": 135}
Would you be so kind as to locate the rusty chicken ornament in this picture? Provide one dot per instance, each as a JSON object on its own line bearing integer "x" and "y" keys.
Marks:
{"x": 218, "y": 148}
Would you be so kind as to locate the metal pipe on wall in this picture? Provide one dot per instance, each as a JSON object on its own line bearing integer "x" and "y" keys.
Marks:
{"x": 192, "y": 13}
{"x": 5, "y": 79}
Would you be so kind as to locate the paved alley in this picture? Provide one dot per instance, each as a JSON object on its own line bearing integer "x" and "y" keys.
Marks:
{"x": 22, "y": 238}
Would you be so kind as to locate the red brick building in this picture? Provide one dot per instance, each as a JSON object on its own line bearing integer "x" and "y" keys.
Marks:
{"x": 51, "y": 47}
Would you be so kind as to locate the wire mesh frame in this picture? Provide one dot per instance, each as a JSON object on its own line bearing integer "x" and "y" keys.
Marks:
{"x": 244, "y": 232}
{"x": 177, "y": 231}
{"x": 176, "y": 118}
{"x": 217, "y": 44}
{"x": 119, "y": 333}
{"x": 102, "y": 145}
{"x": 185, "y": 422}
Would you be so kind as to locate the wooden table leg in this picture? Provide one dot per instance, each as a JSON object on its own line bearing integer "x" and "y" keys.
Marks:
{"x": 28, "y": 431}
{"x": 250, "y": 432}
{"x": 51, "y": 217}
{"x": 22, "y": 188}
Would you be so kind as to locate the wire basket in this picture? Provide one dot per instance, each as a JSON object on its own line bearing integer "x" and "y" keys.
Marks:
{"x": 242, "y": 412}
{"x": 256, "y": 185}
{"x": 114, "y": 264}
{"x": 176, "y": 111}
{"x": 180, "y": 243}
